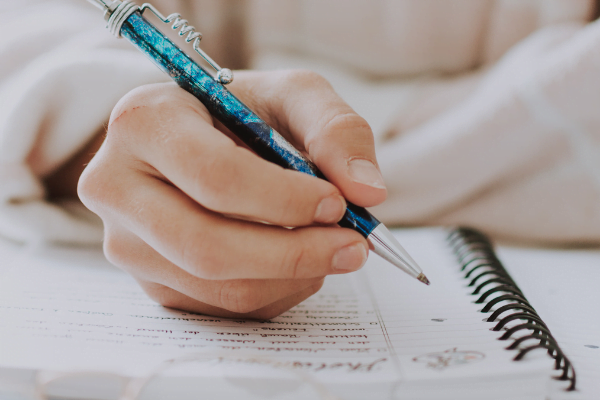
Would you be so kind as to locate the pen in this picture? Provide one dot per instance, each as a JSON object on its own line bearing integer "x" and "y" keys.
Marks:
{"x": 124, "y": 19}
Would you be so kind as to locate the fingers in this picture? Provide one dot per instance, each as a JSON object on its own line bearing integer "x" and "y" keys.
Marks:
{"x": 239, "y": 296}
{"x": 167, "y": 177}
{"x": 211, "y": 246}
{"x": 173, "y": 299}
{"x": 338, "y": 140}
{"x": 190, "y": 153}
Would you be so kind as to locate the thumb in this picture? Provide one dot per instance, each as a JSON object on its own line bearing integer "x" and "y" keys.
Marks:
{"x": 303, "y": 106}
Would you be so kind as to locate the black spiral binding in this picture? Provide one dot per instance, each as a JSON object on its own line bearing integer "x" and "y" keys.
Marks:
{"x": 494, "y": 287}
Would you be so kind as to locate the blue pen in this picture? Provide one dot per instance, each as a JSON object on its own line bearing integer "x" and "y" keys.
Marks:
{"x": 125, "y": 20}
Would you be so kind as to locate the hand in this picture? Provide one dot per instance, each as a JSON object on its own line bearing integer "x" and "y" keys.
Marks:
{"x": 202, "y": 223}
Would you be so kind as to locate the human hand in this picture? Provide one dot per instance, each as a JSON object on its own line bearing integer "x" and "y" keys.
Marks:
{"x": 200, "y": 221}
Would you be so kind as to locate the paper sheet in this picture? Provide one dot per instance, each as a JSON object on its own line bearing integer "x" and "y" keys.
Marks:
{"x": 563, "y": 287}
{"x": 69, "y": 310}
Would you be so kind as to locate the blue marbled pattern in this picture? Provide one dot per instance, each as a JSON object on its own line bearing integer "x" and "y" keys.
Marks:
{"x": 229, "y": 110}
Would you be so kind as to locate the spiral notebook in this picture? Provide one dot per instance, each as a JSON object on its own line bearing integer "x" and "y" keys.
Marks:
{"x": 374, "y": 334}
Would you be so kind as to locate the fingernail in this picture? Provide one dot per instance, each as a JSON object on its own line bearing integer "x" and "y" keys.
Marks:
{"x": 350, "y": 258}
{"x": 365, "y": 172}
{"x": 330, "y": 209}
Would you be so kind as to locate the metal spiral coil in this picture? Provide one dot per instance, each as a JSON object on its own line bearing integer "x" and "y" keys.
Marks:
{"x": 118, "y": 12}
{"x": 477, "y": 259}
{"x": 224, "y": 75}
{"x": 184, "y": 29}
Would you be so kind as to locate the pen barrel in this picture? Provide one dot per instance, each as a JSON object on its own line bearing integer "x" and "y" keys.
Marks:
{"x": 229, "y": 110}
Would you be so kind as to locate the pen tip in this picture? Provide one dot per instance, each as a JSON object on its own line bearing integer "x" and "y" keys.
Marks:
{"x": 423, "y": 279}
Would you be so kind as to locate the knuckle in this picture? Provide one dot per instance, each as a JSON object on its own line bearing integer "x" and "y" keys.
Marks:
{"x": 294, "y": 261}
{"x": 127, "y": 108}
{"x": 116, "y": 250}
{"x": 220, "y": 176}
{"x": 345, "y": 127}
{"x": 154, "y": 95}
{"x": 239, "y": 296}
{"x": 215, "y": 176}
{"x": 345, "y": 121}
{"x": 147, "y": 109}
{"x": 95, "y": 183}
{"x": 292, "y": 208}
{"x": 86, "y": 187}
{"x": 304, "y": 78}
{"x": 200, "y": 257}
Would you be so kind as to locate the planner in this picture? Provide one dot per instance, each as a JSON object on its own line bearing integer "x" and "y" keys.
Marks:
{"x": 73, "y": 326}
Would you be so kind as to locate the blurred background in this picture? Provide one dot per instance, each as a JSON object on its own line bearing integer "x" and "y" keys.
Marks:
{"x": 484, "y": 111}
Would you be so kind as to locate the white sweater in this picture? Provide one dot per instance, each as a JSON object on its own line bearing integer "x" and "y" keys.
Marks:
{"x": 509, "y": 146}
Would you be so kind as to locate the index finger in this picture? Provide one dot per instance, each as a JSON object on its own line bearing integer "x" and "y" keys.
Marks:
{"x": 303, "y": 106}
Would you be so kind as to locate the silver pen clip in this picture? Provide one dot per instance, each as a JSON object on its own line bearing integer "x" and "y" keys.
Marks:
{"x": 116, "y": 13}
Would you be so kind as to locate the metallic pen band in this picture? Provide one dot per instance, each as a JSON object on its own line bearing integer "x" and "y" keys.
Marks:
{"x": 119, "y": 16}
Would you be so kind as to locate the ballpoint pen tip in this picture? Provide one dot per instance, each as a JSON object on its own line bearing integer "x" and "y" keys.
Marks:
{"x": 423, "y": 279}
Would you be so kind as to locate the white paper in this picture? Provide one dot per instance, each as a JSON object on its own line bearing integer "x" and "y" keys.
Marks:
{"x": 563, "y": 287}
{"x": 68, "y": 310}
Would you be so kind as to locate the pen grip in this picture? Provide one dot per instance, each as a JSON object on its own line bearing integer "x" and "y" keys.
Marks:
{"x": 229, "y": 110}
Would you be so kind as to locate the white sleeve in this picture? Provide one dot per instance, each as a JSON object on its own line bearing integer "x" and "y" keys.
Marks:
{"x": 61, "y": 73}
{"x": 520, "y": 157}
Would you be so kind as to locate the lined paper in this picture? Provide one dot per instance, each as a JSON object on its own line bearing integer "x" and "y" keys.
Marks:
{"x": 563, "y": 287}
{"x": 68, "y": 310}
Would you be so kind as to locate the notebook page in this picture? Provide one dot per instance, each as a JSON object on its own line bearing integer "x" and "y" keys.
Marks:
{"x": 436, "y": 333}
{"x": 562, "y": 285}
{"x": 69, "y": 310}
